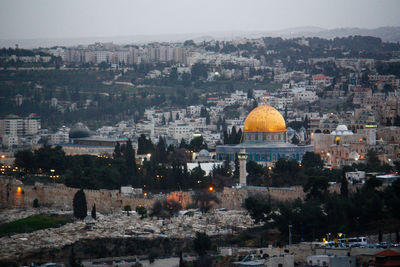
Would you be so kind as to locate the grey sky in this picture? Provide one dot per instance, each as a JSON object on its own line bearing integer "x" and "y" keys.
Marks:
{"x": 25, "y": 19}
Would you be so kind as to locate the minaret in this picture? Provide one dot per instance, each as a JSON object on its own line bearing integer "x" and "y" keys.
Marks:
{"x": 242, "y": 166}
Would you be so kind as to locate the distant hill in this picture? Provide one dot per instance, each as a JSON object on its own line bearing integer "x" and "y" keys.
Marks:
{"x": 387, "y": 34}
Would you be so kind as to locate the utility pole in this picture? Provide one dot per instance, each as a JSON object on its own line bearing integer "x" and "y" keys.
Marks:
{"x": 290, "y": 234}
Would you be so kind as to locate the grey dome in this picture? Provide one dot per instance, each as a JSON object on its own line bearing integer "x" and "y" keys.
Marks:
{"x": 79, "y": 130}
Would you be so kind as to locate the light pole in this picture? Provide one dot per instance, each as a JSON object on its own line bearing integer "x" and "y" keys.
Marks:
{"x": 290, "y": 234}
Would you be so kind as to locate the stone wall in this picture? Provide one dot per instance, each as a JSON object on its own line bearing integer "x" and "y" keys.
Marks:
{"x": 60, "y": 196}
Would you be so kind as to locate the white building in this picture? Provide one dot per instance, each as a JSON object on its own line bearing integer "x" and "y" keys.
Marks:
{"x": 305, "y": 96}
{"x": 179, "y": 130}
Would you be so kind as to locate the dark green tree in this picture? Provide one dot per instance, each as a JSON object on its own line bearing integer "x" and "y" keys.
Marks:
{"x": 117, "y": 151}
{"x": 236, "y": 172}
{"x": 396, "y": 121}
{"x": 127, "y": 208}
{"x": 295, "y": 140}
{"x": 316, "y": 188}
{"x": 36, "y": 203}
{"x": 373, "y": 162}
{"x": 142, "y": 211}
{"x": 250, "y": 94}
{"x": 312, "y": 160}
{"x": 197, "y": 144}
{"x": 258, "y": 208}
{"x": 73, "y": 261}
{"x": 94, "y": 215}
{"x": 25, "y": 160}
{"x": 344, "y": 190}
{"x": 79, "y": 205}
{"x": 201, "y": 243}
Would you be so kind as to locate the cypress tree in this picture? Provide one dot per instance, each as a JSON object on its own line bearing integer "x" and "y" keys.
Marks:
{"x": 117, "y": 151}
{"x": 79, "y": 205}
{"x": 94, "y": 211}
{"x": 238, "y": 136}
{"x": 236, "y": 172}
{"x": 232, "y": 136}
{"x": 344, "y": 190}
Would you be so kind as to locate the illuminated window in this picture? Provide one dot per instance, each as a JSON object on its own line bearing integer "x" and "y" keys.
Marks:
{"x": 337, "y": 140}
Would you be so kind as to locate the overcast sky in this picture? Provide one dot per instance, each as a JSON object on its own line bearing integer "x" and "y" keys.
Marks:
{"x": 26, "y": 19}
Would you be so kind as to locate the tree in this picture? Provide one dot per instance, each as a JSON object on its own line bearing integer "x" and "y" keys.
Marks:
{"x": 198, "y": 144}
{"x": 36, "y": 203}
{"x": 250, "y": 94}
{"x": 127, "y": 208}
{"x": 258, "y": 208}
{"x": 373, "y": 163}
{"x": 205, "y": 199}
{"x": 256, "y": 173}
{"x": 94, "y": 211}
{"x": 372, "y": 183}
{"x": 316, "y": 188}
{"x": 236, "y": 172}
{"x": 79, "y": 205}
{"x": 25, "y": 160}
{"x": 295, "y": 140}
{"x": 117, "y": 151}
{"x": 344, "y": 190}
{"x": 144, "y": 145}
{"x": 201, "y": 243}
{"x": 73, "y": 261}
{"x": 142, "y": 211}
{"x": 312, "y": 160}
{"x": 396, "y": 121}
{"x": 286, "y": 173}
{"x": 208, "y": 120}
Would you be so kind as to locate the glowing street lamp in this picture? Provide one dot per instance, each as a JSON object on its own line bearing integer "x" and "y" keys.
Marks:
{"x": 211, "y": 188}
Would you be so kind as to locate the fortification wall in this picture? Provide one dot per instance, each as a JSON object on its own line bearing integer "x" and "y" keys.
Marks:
{"x": 60, "y": 196}
{"x": 15, "y": 194}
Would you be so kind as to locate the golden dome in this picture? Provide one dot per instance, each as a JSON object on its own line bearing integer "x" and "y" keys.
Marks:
{"x": 265, "y": 119}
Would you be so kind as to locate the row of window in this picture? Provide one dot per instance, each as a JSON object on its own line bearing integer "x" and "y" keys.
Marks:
{"x": 260, "y": 156}
{"x": 263, "y": 136}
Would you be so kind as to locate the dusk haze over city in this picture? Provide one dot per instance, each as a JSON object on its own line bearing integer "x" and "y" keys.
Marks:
{"x": 199, "y": 133}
